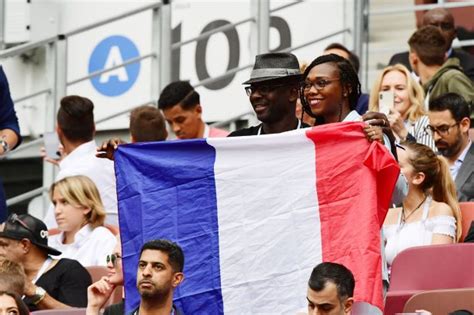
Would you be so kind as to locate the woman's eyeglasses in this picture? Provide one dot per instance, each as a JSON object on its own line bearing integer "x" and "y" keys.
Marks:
{"x": 113, "y": 258}
{"x": 15, "y": 219}
{"x": 319, "y": 84}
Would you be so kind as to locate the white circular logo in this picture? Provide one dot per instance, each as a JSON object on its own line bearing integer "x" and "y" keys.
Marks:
{"x": 44, "y": 234}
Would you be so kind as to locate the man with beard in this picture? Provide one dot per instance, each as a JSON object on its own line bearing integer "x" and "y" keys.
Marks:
{"x": 449, "y": 123}
{"x": 273, "y": 91}
{"x": 160, "y": 271}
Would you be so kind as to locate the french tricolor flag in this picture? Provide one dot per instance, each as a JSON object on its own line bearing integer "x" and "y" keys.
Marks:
{"x": 254, "y": 215}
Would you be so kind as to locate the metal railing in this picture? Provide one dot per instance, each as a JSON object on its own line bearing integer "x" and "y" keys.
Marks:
{"x": 160, "y": 54}
{"x": 406, "y": 9}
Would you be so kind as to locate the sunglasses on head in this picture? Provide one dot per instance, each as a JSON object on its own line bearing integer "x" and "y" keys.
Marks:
{"x": 113, "y": 258}
{"x": 15, "y": 219}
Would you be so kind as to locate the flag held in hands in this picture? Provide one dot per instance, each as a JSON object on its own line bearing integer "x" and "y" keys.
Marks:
{"x": 254, "y": 215}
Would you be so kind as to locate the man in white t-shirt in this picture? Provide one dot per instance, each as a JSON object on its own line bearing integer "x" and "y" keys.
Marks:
{"x": 76, "y": 131}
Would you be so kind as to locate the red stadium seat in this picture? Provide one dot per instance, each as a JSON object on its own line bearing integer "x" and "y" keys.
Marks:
{"x": 441, "y": 301}
{"x": 467, "y": 214}
{"x": 112, "y": 228}
{"x": 66, "y": 311}
{"x": 425, "y": 268}
{"x": 97, "y": 272}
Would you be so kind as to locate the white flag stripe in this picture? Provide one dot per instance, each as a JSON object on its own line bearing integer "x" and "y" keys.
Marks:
{"x": 269, "y": 229}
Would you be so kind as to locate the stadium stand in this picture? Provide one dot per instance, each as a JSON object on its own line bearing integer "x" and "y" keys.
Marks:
{"x": 421, "y": 268}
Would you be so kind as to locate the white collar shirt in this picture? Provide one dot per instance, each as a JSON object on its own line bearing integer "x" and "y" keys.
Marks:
{"x": 90, "y": 247}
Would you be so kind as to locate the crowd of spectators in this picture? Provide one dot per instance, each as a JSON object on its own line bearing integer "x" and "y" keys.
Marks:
{"x": 426, "y": 128}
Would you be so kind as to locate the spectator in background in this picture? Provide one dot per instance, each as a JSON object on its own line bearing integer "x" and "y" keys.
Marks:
{"x": 444, "y": 21}
{"x": 341, "y": 50}
{"x": 76, "y": 130}
{"x": 12, "y": 276}
{"x": 99, "y": 292}
{"x": 181, "y": 106}
{"x": 11, "y": 304}
{"x": 273, "y": 91}
{"x": 449, "y": 124}
{"x": 10, "y": 136}
{"x": 330, "y": 290}
{"x": 430, "y": 213}
{"x": 156, "y": 285}
{"x": 50, "y": 283}
{"x": 80, "y": 217}
{"x": 437, "y": 75}
{"x": 146, "y": 124}
{"x": 407, "y": 117}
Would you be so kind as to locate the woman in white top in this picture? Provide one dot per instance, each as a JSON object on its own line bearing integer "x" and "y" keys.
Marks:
{"x": 407, "y": 117}
{"x": 430, "y": 212}
{"x": 80, "y": 217}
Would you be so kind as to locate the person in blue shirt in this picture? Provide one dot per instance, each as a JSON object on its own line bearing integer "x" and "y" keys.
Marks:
{"x": 10, "y": 136}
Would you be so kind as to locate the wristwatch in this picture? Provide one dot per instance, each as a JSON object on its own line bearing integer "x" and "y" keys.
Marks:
{"x": 39, "y": 295}
{"x": 5, "y": 146}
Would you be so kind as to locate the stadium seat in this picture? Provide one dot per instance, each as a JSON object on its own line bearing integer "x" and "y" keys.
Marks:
{"x": 66, "y": 311}
{"x": 467, "y": 213}
{"x": 112, "y": 228}
{"x": 424, "y": 268}
{"x": 97, "y": 272}
{"x": 53, "y": 231}
{"x": 441, "y": 301}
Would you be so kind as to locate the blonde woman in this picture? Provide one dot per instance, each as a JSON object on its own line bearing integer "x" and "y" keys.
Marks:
{"x": 430, "y": 212}
{"x": 80, "y": 217}
{"x": 407, "y": 117}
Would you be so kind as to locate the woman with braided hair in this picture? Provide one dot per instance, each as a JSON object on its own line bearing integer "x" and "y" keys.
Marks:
{"x": 430, "y": 212}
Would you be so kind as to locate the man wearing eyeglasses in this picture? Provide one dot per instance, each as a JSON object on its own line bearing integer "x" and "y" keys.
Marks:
{"x": 273, "y": 91}
{"x": 50, "y": 283}
{"x": 449, "y": 117}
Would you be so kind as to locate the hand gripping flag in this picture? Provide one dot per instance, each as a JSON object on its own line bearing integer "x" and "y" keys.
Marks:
{"x": 254, "y": 215}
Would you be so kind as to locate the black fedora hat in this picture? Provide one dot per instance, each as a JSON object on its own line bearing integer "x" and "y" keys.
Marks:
{"x": 273, "y": 66}
{"x": 22, "y": 226}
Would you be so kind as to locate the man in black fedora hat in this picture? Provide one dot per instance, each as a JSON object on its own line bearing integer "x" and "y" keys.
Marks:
{"x": 273, "y": 91}
{"x": 50, "y": 283}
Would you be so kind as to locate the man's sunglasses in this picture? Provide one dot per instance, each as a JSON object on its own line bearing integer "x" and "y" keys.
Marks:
{"x": 15, "y": 219}
{"x": 113, "y": 258}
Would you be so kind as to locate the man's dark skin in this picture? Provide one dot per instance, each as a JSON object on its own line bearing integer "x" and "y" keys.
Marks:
{"x": 443, "y": 20}
{"x": 275, "y": 109}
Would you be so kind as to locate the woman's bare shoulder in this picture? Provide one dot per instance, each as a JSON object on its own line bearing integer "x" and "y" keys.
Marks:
{"x": 440, "y": 208}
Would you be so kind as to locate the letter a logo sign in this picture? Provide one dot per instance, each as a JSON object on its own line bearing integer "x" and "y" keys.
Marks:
{"x": 109, "y": 53}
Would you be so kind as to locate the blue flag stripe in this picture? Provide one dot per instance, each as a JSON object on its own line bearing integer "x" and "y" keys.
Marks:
{"x": 175, "y": 179}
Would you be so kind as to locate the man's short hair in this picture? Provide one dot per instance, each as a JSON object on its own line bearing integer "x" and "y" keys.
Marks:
{"x": 429, "y": 44}
{"x": 147, "y": 124}
{"x": 178, "y": 92}
{"x": 335, "y": 273}
{"x": 175, "y": 253}
{"x": 76, "y": 118}
{"x": 455, "y": 103}
{"x": 12, "y": 275}
{"x": 353, "y": 59}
